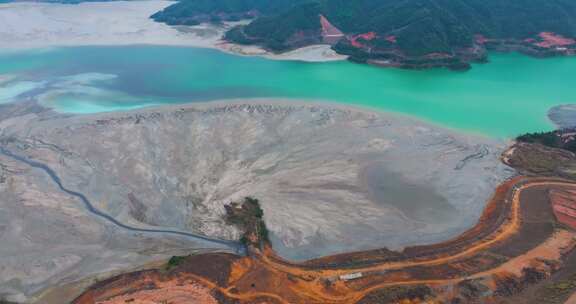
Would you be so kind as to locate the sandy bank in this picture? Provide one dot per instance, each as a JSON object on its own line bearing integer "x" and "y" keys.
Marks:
{"x": 313, "y": 53}
{"x": 26, "y": 25}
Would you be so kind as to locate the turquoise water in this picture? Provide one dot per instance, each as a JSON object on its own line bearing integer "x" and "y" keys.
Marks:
{"x": 509, "y": 96}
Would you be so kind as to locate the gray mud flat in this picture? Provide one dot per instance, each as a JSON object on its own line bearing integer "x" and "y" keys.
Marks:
{"x": 418, "y": 202}
{"x": 331, "y": 179}
{"x": 563, "y": 116}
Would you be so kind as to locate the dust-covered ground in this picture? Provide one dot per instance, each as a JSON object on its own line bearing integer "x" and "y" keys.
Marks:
{"x": 48, "y": 238}
{"x": 330, "y": 179}
{"x": 38, "y": 25}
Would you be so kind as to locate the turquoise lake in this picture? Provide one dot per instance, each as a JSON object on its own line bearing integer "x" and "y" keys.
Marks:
{"x": 508, "y": 96}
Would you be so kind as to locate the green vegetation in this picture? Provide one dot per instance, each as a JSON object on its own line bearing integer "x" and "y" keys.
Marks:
{"x": 295, "y": 28}
{"x": 562, "y": 139}
{"x": 405, "y": 29}
{"x": 175, "y": 261}
{"x": 248, "y": 217}
{"x": 453, "y": 22}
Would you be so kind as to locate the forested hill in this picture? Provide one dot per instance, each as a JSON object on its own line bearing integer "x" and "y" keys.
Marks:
{"x": 409, "y": 33}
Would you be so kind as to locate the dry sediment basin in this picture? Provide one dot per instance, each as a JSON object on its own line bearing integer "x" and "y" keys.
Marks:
{"x": 174, "y": 168}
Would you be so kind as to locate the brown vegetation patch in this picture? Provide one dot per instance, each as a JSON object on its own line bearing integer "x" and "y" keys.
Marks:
{"x": 537, "y": 223}
{"x": 214, "y": 267}
{"x": 537, "y": 159}
{"x": 397, "y": 294}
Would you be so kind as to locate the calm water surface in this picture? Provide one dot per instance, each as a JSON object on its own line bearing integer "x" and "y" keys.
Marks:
{"x": 511, "y": 95}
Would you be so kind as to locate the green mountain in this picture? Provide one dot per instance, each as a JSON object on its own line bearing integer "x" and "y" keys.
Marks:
{"x": 407, "y": 33}
{"x": 297, "y": 27}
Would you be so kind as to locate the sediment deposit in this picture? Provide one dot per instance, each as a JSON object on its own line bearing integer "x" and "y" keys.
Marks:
{"x": 331, "y": 179}
{"x": 495, "y": 262}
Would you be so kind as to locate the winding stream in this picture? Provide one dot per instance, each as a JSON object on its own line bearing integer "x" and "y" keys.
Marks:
{"x": 234, "y": 246}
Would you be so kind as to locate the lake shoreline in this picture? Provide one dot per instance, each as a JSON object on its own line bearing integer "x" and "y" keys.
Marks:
{"x": 270, "y": 134}
{"x": 63, "y": 25}
{"x": 87, "y": 80}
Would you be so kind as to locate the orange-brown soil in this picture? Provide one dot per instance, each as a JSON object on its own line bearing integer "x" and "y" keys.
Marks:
{"x": 515, "y": 243}
{"x": 554, "y": 40}
{"x": 564, "y": 205}
{"x": 174, "y": 291}
{"x": 571, "y": 300}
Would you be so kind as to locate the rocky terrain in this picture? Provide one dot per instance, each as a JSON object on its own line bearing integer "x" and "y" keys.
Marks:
{"x": 330, "y": 179}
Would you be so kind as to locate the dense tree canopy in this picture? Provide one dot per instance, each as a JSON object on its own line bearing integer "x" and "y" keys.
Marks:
{"x": 418, "y": 27}
{"x": 563, "y": 139}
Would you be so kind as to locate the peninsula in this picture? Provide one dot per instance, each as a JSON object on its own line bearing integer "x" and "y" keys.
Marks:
{"x": 409, "y": 34}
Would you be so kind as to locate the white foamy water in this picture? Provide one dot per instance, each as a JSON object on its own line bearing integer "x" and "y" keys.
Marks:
{"x": 79, "y": 94}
